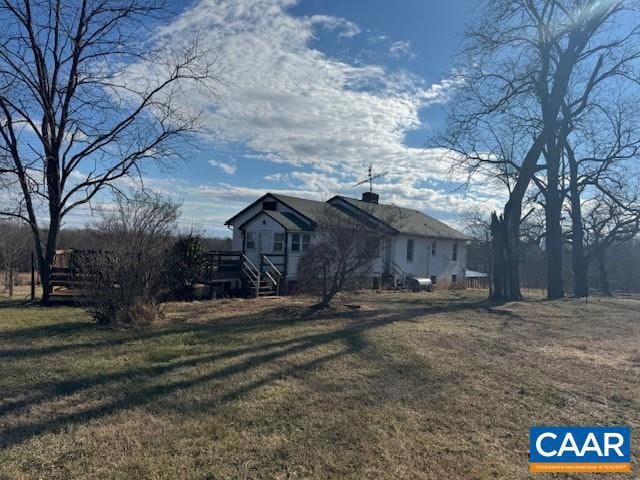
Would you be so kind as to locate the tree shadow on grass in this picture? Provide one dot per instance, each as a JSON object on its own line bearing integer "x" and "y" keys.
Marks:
{"x": 267, "y": 320}
{"x": 247, "y": 360}
{"x": 56, "y": 329}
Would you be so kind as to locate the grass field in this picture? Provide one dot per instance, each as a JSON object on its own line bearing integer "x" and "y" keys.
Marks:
{"x": 416, "y": 386}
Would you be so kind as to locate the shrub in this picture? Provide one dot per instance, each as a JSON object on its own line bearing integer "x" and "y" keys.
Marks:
{"x": 187, "y": 265}
{"x": 127, "y": 279}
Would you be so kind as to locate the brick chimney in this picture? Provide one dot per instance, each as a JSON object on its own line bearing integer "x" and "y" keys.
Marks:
{"x": 370, "y": 197}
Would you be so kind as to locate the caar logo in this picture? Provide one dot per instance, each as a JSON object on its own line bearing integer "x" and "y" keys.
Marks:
{"x": 580, "y": 449}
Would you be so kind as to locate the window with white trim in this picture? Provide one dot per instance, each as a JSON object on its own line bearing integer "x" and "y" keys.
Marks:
{"x": 300, "y": 242}
{"x": 250, "y": 241}
{"x": 278, "y": 242}
{"x": 410, "y": 250}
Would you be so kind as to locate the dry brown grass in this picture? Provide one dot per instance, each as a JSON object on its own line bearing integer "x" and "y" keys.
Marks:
{"x": 19, "y": 278}
{"x": 419, "y": 386}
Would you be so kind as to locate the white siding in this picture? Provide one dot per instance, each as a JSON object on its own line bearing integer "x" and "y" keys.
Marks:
{"x": 425, "y": 264}
{"x": 294, "y": 257}
{"x": 236, "y": 242}
{"x": 264, "y": 227}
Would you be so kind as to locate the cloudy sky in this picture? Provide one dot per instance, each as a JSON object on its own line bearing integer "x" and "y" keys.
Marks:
{"x": 314, "y": 91}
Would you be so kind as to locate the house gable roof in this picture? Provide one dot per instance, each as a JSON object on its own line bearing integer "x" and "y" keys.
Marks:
{"x": 311, "y": 209}
{"x": 288, "y": 220}
{"x": 307, "y": 213}
{"x": 404, "y": 220}
{"x": 306, "y": 208}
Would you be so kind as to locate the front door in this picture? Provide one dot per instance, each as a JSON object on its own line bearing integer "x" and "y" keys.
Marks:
{"x": 264, "y": 244}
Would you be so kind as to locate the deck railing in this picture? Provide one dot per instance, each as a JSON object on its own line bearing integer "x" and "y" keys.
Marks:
{"x": 263, "y": 278}
{"x": 223, "y": 264}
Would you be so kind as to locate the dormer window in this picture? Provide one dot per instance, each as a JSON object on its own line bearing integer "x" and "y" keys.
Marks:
{"x": 270, "y": 205}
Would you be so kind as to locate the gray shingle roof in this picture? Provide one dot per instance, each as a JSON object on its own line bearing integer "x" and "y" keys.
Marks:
{"x": 406, "y": 220}
{"x": 312, "y": 209}
{"x": 288, "y": 220}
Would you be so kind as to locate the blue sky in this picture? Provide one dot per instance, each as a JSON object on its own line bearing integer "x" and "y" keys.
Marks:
{"x": 312, "y": 92}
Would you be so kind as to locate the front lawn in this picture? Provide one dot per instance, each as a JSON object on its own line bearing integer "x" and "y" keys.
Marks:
{"x": 416, "y": 386}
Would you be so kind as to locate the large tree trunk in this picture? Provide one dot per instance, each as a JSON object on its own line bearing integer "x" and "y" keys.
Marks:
{"x": 553, "y": 243}
{"x": 46, "y": 257}
{"x": 505, "y": 239}
{"x": 579, "y": 263}
{"x": 553, "y": 214}
{"x": 505, "y": 231}
{"x": 578, "y": 260}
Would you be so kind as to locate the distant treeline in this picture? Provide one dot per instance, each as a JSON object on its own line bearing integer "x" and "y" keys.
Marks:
{"x": 16, "y": 244}
{"x": 622, "y": 266}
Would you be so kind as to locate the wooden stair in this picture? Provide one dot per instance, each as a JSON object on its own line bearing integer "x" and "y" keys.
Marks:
{"x": 265, "y": 288}
{"x": 397, "y": 278}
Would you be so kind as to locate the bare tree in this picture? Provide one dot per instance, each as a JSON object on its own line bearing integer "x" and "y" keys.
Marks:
{"x": 343, "y": 253}
{"x": 479, "y": 251}
{"x": 13, "y": 248}
{"x": 609, "y": 222}
{"x": 524, "y": 63}
{"x": 89, "y": 93}
{"x": 127, "y": 277}
{"x": 623, "y": 266}
{"x": 600, "y": 154}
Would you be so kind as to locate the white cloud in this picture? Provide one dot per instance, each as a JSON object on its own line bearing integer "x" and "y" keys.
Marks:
{"x": 344, "y": 27}
{"x": 277, "y": 177}
{"x": 326, "y": 118}
{"x": 228, "y": 168}
{"x": 400, "y": 49}
{"x": 294, "y": 104}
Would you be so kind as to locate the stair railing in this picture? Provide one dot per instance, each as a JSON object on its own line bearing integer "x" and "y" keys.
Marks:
{"x": 271, "y": 271}
{"x": 252, "y": 273}
{"x": 398, "y": 272}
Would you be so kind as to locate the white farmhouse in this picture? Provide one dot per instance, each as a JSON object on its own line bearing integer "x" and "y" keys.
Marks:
{"x": 274, "y": 231}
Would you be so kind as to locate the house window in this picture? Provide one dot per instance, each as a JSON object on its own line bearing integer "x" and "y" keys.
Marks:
{"x": 433, "y": 249}
{"x": 454, "y": 279}
{"x": 278, "y": 242}
{"x": 410, "y": 250}
{"x": 269, "y": 205}
{"x": 434, "y": 279}
{"x": 300, "y": 242}
{"x": 454, "y": 255}
{"x": 251, "y": 241}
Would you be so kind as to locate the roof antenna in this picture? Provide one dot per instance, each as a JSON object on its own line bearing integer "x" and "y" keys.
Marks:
{"x": 370, "y": 178}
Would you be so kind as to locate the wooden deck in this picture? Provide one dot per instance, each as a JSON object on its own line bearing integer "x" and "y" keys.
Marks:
{"x": 226, "y": 273}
